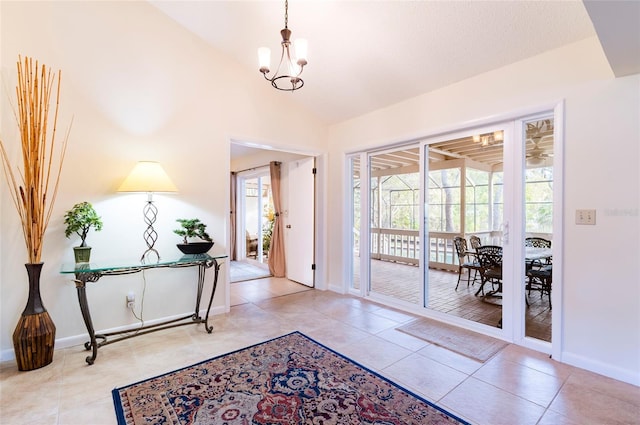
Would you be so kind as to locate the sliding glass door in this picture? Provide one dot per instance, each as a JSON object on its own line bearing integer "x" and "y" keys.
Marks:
{"x": 489, "y": 188}
{"x": 394, "y": 224}
{"x": 539, "y": 238}
{"x": 464, "y": 181}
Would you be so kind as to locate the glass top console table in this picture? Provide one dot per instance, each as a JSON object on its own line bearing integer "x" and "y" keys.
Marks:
{"x": 92, "y": 272}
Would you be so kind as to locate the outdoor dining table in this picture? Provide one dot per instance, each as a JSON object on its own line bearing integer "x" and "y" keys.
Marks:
{"x": 532, "y": 254}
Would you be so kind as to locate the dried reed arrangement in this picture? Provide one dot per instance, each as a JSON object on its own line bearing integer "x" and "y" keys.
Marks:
{"x": 34, "y": 186}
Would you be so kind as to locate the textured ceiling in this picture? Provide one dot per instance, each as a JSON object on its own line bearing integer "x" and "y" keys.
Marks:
{"x": 365, "y": 55}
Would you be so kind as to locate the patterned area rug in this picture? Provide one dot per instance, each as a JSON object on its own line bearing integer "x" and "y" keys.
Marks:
{"x": 468, "y": 343}
{"x": 286, "y": 381}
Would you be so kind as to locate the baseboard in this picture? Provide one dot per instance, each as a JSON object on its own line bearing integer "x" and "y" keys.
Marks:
{"x": 71, "y": 341}
{"x": 600, "y": 368}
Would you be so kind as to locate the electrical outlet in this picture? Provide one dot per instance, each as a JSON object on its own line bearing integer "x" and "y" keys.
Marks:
{"x": 131, "y": 300}
{"x": 586, "y": 217}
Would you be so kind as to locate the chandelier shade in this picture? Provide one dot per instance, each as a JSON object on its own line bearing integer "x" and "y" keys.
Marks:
{"x": 292, "y": 60}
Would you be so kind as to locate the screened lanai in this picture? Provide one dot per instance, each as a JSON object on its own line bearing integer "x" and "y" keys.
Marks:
{"x": 464, "y": 197}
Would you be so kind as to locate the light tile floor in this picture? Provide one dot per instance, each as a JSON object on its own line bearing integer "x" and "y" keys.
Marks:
{"x": 517, "y": 386}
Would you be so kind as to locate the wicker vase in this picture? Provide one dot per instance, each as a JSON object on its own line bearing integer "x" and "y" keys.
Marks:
{"x": 35, "y": 334}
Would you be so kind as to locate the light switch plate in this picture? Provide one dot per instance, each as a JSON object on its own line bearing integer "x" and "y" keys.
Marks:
{"x": 586, "y": 217}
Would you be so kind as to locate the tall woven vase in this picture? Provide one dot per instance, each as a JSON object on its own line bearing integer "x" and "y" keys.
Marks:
{"x": 35, "y": 334}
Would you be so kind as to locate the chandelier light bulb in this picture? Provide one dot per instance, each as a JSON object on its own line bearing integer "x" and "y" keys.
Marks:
{"x": 300, "y": 48}
{"x": 264, "y": 59}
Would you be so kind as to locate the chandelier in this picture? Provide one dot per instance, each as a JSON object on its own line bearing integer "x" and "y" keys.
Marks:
{"x": 287, "y": 75}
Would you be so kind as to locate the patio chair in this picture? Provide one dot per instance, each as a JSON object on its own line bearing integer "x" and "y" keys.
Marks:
{"x": 475, "y": 242}
{"x": 466, "y": 260}
{"x": 252, "y": 245}
{"x": 539, "y": 279}
{"x": 490, "y": 258}
{"x": 536, "y": 242}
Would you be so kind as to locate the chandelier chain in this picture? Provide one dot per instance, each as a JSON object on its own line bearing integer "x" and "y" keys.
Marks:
{"x": 286, "y": 13}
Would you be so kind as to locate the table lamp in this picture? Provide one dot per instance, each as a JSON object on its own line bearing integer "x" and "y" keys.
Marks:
{"x": 150, "y": 177}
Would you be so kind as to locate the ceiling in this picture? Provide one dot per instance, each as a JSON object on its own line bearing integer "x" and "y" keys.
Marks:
{"x": 365, "y": 55}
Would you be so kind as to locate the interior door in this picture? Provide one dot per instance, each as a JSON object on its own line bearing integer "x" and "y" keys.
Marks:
{"x": 300, "y": 221}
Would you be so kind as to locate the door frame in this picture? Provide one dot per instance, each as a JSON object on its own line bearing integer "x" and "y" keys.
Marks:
{"x": 274, "y": 150}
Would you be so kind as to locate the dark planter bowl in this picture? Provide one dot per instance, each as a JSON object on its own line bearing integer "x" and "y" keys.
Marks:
{"x": 195, "y": 247}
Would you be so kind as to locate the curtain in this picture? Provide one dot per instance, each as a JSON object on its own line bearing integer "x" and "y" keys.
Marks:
{"x": 277, "y": 265}
{"x": 233, "y": 255}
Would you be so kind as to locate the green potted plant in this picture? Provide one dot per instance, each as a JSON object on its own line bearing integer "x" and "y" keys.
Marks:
{"x": 79, "y": 220}
{"x": 191, "y": 228}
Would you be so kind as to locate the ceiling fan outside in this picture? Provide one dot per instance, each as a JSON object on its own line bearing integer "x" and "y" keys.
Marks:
{"x": 536, "y": 131}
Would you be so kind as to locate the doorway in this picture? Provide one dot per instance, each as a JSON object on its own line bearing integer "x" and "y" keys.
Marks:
{"x": 255, "y": 214}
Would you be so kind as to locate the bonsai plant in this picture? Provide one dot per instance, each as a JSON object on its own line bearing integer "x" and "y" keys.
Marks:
{"x": 79, "y": 220}
{"x": 191, "y": 228}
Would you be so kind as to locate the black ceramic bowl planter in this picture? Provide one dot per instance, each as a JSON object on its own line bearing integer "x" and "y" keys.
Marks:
{"x": 194, "y": 247}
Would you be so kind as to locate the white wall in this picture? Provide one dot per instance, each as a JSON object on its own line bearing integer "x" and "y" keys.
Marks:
{"x": 601, "y": 287}
{"x": 139, "y": 87}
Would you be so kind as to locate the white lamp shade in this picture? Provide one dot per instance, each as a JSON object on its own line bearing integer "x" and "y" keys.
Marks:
{"x": 147, "y": 176}
{"x": 264, "y": 57}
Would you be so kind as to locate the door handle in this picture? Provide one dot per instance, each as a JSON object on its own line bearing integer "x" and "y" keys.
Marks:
{"x": 288, "y": 226}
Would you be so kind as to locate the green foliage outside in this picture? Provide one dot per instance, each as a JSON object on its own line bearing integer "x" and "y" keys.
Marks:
{"x": 267, "y": 231}
{"x": 399, "y": 201}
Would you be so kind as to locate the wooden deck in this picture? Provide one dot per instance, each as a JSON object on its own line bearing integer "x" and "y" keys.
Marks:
{"x": 401, "y": 281}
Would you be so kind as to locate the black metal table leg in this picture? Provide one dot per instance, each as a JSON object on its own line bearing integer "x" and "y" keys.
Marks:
{"x": 84, "y": 308}
{"x": 216, "y": 270}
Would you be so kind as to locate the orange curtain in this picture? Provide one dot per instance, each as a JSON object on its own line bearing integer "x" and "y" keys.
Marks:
{"x": 277, "y": 265}
{"x": 233, "y": 255}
